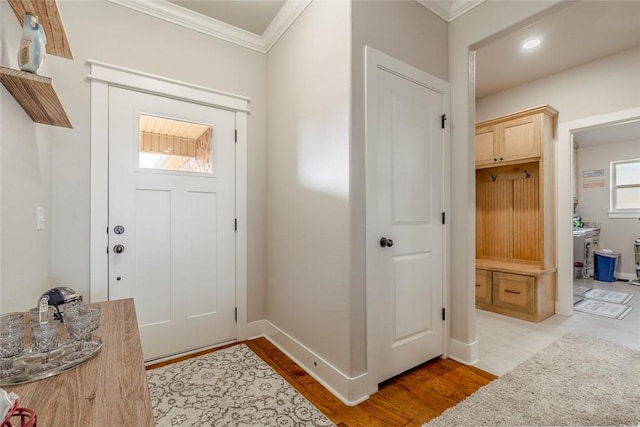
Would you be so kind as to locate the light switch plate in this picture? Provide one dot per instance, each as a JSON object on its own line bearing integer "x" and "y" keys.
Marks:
{"x": 40, "y": 219}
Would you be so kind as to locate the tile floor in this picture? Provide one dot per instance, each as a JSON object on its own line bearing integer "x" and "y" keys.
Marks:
{"x": 505, "y": 342}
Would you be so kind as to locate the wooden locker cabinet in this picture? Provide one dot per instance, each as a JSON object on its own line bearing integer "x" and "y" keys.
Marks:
{"x": 484, "y": 292}
{"x": 528, "y": 294}
{"x": 511, "y": 139}
{"x": 515, "y": 214}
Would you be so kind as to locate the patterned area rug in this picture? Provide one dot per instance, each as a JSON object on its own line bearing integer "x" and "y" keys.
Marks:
{"x": 229, "y": 387}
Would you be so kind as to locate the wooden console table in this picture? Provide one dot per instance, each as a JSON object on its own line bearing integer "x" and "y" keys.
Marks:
{"x": 110, "y": 389}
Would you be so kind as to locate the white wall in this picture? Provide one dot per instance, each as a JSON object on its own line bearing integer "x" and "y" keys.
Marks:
{"x": 412, "y": 34}
{"x": 24, "y": 185}
{"x": 110, "y": 33}
{"x": 602, "y": 86}
{"x": 465, "y": 33}
{"x": 593, "y": 203}
{"x": 308, "y": 182}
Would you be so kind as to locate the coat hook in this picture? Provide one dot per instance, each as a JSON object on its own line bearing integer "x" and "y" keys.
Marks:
{"x": 493, "y": 178}
{"x": 527, "y": 173}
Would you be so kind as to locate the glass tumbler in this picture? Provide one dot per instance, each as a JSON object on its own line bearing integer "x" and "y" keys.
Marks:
{"x": 15, "y": 318}
{"x": 79, "y": 328}
{"x": 44, "y": 339}
{"x": 94, "y": 313}
{"x": 11, "y": 346}
{"x": 45, "y": 317}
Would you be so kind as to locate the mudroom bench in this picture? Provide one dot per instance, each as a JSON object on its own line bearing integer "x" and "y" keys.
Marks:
{"x": 515, "y": 289}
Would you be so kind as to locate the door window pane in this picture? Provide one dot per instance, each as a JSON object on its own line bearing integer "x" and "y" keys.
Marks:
{"x": 174, "y": 145}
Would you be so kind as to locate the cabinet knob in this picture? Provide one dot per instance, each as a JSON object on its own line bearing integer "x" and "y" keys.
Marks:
{"x": 495, "y": 160}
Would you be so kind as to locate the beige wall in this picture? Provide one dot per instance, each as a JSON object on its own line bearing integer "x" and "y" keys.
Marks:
{"x": 412, "y": 34}
{"x": 602, "y": 86}
{"x": 617, "y": 234}
{"x": 466, "y": 33}
{"x": 24, "y": 185}
{"x": 113, "y": 34}
{"x": 308, "y": 182}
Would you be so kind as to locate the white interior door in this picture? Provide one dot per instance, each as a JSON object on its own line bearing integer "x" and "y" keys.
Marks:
{"x": 171, "y": 210}
{"x": 404, "y": 216}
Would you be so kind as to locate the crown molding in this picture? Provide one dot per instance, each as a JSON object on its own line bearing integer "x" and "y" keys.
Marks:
{"x": 460, "y": 7}
{"x": 282, "y": 21}
{"x": 195, "y": 21}
{"x": 450, "y": 10}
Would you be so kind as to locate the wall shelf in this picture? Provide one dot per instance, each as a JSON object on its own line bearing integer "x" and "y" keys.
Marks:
{"x": 36, "y": 95}
{"x": 49, "y": 17}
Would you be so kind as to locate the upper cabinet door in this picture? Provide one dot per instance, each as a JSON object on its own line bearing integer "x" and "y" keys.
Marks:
{"x": 512, "y": 139}
{"x": 520, "y": 139}
{"x": 486, "y": 146}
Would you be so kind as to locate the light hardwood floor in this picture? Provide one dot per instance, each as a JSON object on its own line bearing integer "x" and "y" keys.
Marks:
{"x": 426, "y": 391}
{"x": 504, "y": 342}
{"x": 407, "y": 400}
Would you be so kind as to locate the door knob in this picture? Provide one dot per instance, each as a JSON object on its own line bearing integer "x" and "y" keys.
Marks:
{"x": 118, "y": 249}
{"x": 385, "y": 243}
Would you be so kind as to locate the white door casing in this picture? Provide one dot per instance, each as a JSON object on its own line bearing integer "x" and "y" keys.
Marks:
{"x": 105, "y": 77}
{"x": 405, "y": 203}
{"x": 177, "y": 229}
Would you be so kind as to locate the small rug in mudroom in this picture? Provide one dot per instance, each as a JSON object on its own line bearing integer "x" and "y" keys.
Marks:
{"x": 576, "y": 381}
{"x": 608, "y": 296}
{"x": 611, "y": 310}
{"x": 229, "y": 387}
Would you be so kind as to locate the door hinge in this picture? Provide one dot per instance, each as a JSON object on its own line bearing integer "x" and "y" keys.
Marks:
{"x": 235, "y": 314}
{"x": 235, "y": 221}
{"x": 444, "y": 315}
{"x": 235, "y": 135}
{"x": 443, "y": 218}
{"x": 444, "y": 118}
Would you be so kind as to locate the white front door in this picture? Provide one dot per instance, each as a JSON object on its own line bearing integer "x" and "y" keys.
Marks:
{"x": 405, "y": 205}
{"x": 171, "y": 219}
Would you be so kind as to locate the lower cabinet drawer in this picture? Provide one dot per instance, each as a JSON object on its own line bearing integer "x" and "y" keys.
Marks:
{"x": 483, "y": 287}
{"x": 514, "y": 292}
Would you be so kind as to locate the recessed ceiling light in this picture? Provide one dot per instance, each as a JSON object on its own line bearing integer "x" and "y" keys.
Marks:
{"x": 531, "y": 43}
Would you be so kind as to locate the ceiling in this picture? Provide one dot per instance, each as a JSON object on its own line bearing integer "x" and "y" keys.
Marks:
{"x": 572, "y": 35}
{"x": 250, "y": 15}
{"x": 609, "y": 134}
{"x": 576, "y": 34}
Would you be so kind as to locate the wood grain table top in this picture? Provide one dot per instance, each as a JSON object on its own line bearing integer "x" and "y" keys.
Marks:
{"x": 110, "y": 389}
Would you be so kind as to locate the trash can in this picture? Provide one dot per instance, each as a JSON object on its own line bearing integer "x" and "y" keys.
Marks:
{"x": 577, "y": 269}
{"x": 605, "y": 264}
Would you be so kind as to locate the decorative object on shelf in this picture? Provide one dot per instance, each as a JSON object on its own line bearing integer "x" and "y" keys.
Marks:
{"x": 32, "y": 45}
{"x": 36, "y": 94}
{"x": 49, "y": 16}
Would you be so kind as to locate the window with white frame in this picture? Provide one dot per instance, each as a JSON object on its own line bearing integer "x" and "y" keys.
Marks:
{"x": 625, "y": 189}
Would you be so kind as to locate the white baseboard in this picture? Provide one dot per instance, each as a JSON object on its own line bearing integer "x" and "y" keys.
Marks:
{"x": 465, "y": 353}
{"x": 350, "y": 391}
{"x": 256, "y": 329}
{"x": 625, "y": 276}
